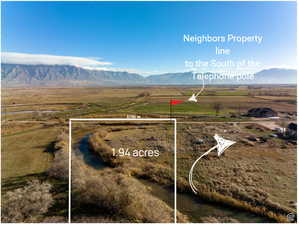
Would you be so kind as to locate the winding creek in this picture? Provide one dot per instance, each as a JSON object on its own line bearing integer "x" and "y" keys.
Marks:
{"x": 30, "y": 111}
{"x": 187, "y": 204}
{"x": 89, "y": 157}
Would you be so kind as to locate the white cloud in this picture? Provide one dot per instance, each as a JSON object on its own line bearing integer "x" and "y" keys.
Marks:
{"x": 34, "y": 59}
{"x": 118, "y": 70}
{"x": 89, "y": 63}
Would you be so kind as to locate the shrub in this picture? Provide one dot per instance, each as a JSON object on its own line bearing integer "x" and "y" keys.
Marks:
{"x": 55, "y": 219}
{"x": 27, "y": 203}
{"x": 144, "y": 94}
{"x": 120, "y": 194}
{"x": 211, "y": 219}
{"x": 59, "y": 167}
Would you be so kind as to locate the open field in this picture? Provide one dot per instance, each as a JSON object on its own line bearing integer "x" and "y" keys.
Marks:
{"x": 255, "y": 179}
{"x": 25, "y": 152}
{"x": 74, "y": 102}
{"x": 261, "y": 173}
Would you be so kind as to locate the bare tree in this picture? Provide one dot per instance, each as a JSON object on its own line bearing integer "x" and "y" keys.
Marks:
{"x": 239, "y": 109}
{"x": 217, "y": 106}
{"x": 27, "y": 203}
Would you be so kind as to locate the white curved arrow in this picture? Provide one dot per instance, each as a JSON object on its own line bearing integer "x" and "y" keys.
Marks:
{"x": 222, "y": 145}
{"x": 194, "y": 96}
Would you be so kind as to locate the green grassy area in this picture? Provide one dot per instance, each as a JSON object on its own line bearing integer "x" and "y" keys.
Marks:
{"x": 183, "y": 108}
{"x": 220, "y": 93}
{"x": 25, "y": 152}
{"x": 105, "y": 101}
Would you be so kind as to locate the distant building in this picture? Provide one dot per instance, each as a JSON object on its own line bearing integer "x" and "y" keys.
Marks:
{"x": 280, "y": 130}
{"x": 262, "y": 112}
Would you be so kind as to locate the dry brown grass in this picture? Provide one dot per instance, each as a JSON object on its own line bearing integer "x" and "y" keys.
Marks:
{"x": 100, "y": 147}
{"x": 142, "y": 168}
{"x": 211, "y": 219}
{"x": 215, "y": 190}
{"x": 116, "y": 189}
{"x": 248, "y": 178}
{"x": 119, "y": 193}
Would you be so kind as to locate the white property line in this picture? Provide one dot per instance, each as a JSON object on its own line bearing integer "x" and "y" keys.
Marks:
{"x": 123, "y": 119}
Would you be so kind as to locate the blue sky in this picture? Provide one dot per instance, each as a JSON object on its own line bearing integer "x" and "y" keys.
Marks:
{"x": 147, "y": 37}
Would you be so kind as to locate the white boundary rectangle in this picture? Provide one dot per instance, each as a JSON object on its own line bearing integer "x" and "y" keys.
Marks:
{"x": 123, "y": 119}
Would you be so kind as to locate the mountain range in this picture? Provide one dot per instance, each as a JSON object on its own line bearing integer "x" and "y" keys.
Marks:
{"x": 20, "y": 75}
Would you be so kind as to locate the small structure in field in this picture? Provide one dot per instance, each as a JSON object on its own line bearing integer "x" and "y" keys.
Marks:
{"x": 133, "y": 116}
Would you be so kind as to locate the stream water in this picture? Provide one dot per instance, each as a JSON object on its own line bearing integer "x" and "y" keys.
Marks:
{"x": 89, "y": 157}
{"x": 29, "y": 111}
{"x": 187, "y": 204}
{"x": 36, "y": 111}
{"x": 196, "y": 209}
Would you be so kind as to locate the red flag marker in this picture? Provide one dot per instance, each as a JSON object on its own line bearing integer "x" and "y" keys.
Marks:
{"x": 174, "y": 102}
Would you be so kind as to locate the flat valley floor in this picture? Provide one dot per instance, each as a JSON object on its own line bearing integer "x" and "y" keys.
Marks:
{"x": 254, "y": 181}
